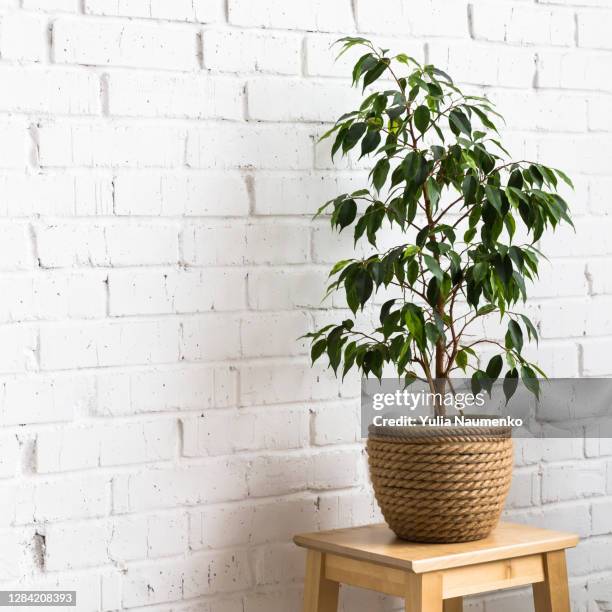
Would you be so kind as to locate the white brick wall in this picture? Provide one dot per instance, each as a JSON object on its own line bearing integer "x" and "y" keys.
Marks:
{"x": 162, "y": 435}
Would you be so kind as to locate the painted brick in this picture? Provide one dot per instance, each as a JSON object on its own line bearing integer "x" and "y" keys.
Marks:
{"x": 569, "y": 278}
{"x": 286, "y": 599}
{"x": 543, "y": 110}
{"x": 420, "y": 17}
{"x": 291, "y": 100}
{"x": 258, "y": 243}
{"x": 167, "y": 535}
{"x": 242, "y": 146}
{"x": 139, "y": 442}
{"x": 161, "y": 390}
{"x": 573, "y": 481}
{"x": 58, "y": 195}
{"x": 286, "y": 288}
{"x": 251, "y": 51}
{"x": 210, "y": 338}
{"x": 15, "y": 246}
{"x": 596, "y": 442}
{"x": 201, "y": 11}
{"x": 553, "y": 316}
{"x": 559, "y": 359}
{"x": 111, "y": 245}
{"x": 300, "y": 194}
{"x": 278, "y": 564}
{"x": 23, "y": 37}
{"x": 594, "y": 353}
{"x": 68, "y": 6}
{"x": 174, "y": 95}
{"x": 551, "y": 449}
{"x": 525, "y": 489}
{"x": 64, "y": 499}
{"x": 288, "y": 328}
{"x": 75, "y": 448}
{"x": 573, "y": 70}
{"x": 13, "y": 144}
{"x": 599, "y": 202}
{"x": 590, "y": 34}
{"x": 598, "y": 588}
{"x": 335, "y": 423}
{"x": 9, "y": 455}
{"x": 253, "y": 430}
{"x": 328, "y": 246}
{"x": 53, "y": 295}
{"x": 555, "y": 516}
{"x": 600, "y": 3}
{"x": 166, "y": 581}
{"x": 99, "y": 145}
{"x": 334, "y": 15}
{"x": 559, "y": 244}
{"x": 172, "y": 291}
{"x": 95, "y": 544}
{"x": 601, "y": 514}
{"x": 8, "y": 507}
{"x": 577, "y": 159}
{"x": 592, "y": 557}
{"x": 19, "y": 347}
{"x": 10, "y": 545}
{"x": 599, "y": 281}
{"x": 190, "y": 194}
{"x": 270, "y": 383}
{"x": 45, "y": 399}
{"x": 123, "y": 43}
{"x": 485, "y": 64}
{"x": 279, "y": 474}
{"x": 336, "y": 470}
{"x": 254, "y": 523}
{"x": 599, "y": 119}
{"x": 220, "y": 479}
{"x": 161, "y": 425}
{"x": 523, "y": 24}
{"x": 105, "y": 344}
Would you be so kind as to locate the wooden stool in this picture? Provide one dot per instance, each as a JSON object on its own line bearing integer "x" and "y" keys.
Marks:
{"x": 435, "y": 577}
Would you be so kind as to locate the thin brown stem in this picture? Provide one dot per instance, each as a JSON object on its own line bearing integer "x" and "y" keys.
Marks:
{"x": 460, "y": 199}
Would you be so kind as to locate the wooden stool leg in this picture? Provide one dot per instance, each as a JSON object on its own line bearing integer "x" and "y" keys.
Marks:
{"x": 424, "y": 593}
{"x": 453, "y": 605}
{"x": 320, "y": 594}
{"x": 552, "y": 595}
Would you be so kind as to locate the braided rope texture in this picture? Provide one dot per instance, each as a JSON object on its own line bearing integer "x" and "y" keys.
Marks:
{"x": 447, "y": 486}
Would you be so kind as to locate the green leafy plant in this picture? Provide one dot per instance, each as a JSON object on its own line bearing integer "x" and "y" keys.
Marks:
{"x": 442, "y": 176}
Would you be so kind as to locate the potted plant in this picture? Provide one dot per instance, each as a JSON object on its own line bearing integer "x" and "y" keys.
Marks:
{"x": 441, "y": 175}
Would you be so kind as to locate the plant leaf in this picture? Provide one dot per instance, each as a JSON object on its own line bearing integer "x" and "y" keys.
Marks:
{"x": 347, "y": 211}
{"x": 510, "y": 385}
{"x": 421, "y": 118}
{"x": 434, "y": 267}
{"x": 515, "y": 334}
{"x": 494, "y": 367}
{"x": 370, "y": 141}
{"x": 459, "y": 122}
{"x": 379, "y": 173}
{"x": 530, "y": 380}
{"x": 494, "y": 197}
{"x": 461, "y": 359}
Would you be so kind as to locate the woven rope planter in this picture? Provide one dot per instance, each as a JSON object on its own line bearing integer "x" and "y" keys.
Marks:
{"x": 446, "y": 484}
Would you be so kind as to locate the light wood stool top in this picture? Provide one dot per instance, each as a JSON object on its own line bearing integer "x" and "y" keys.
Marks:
{"x": 435, "y": 577}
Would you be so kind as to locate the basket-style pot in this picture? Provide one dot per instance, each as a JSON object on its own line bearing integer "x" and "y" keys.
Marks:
{"x": 441, "y": 484}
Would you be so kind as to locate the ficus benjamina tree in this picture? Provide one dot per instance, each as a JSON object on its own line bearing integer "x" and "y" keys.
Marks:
{"x": 440, "y": 174}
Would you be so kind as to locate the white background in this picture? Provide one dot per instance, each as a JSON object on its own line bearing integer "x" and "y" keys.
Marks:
{"x": 162, "y": 433}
